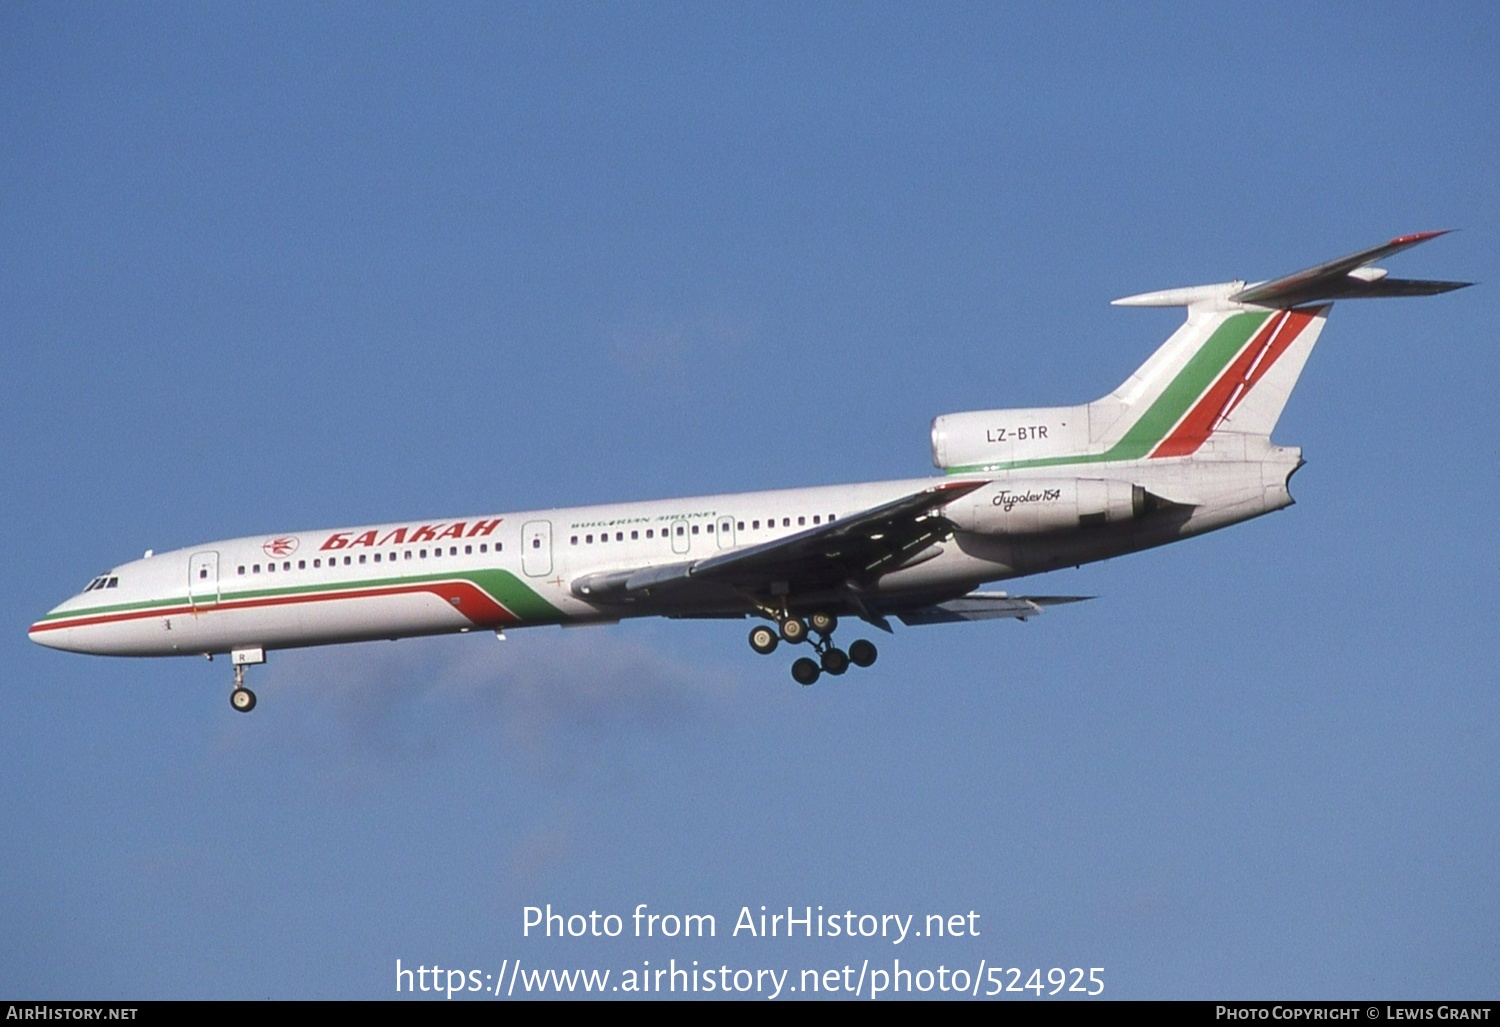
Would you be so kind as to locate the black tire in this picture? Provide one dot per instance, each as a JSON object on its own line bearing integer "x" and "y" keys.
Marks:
{"x": 862, "y": 653}
{"x": 835, "y": 661}
{"x": 242, "y": 699}
{"x": 793, "y": 630}
{"x": 805, "y": 671}
{"x": 823, "y": 623}
{"x": 763, "y": 639}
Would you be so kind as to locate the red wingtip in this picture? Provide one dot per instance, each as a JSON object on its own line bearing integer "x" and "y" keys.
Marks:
{"x": 1418, "y": 237}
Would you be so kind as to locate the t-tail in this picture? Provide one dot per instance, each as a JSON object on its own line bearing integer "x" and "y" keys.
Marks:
{"x": 1215, "y": 388}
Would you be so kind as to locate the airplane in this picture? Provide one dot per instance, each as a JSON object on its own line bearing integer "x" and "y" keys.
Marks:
{"x": 1182, "y": 447}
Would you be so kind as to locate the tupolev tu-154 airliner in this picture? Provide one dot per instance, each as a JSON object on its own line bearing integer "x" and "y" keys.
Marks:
{"x": 1182, "y": 447}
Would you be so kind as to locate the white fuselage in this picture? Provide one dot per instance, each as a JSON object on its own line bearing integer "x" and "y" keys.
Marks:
{"x": 497, "y": 571}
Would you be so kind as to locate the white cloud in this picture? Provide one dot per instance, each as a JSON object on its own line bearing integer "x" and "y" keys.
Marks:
{"x": 554, "y": 697}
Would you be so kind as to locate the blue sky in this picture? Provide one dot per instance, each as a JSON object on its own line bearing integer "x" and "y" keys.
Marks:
{"x": 273, "y": 268}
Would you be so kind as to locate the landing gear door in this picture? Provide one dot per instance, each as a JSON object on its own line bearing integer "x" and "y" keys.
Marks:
{"x": 726, "y": 532}
{"x": 536, "y": 548}
{"x": 203, "y": 579}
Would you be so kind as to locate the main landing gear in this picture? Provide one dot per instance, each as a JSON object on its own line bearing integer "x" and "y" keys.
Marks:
{"x": 817, "y": 630}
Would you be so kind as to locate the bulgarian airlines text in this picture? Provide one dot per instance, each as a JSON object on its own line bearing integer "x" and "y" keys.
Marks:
{"x": 881, "y": 979}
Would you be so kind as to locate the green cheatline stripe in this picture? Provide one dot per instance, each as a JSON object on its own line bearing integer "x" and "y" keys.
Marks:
{"x": 1175, "y": 401}
{"x": 507, "y": 589}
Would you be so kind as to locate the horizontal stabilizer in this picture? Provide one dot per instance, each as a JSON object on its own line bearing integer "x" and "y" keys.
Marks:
{"x": 1350, "y": 277}
{"x": 984, "y": 606}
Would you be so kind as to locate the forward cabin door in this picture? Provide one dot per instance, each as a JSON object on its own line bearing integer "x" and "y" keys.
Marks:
{"x": 203, "y": 580}
{"x": 536, "y": 548}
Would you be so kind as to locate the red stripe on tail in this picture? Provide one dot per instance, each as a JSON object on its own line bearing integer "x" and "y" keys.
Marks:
{"x": 1235, "y": 383}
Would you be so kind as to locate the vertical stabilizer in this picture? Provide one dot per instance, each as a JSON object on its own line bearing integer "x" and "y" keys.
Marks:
{"x": 1228, "y": 371}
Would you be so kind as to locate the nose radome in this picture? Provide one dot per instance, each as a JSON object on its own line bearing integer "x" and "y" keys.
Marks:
{"x": 41, "y": 634}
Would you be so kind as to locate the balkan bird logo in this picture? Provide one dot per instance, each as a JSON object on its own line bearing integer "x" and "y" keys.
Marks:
{"x": 286, "y": 545}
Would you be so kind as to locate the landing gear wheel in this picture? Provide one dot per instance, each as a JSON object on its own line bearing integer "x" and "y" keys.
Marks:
{"x": 793, "y": 630}
{"x": 823, "y": 623}
{"x": 805, "y": 671}
{"x": 862, "y": 653}
{"x": 835, "y": 661}
{"x": 763, "y": 640}
{"x": 242, "y": 699}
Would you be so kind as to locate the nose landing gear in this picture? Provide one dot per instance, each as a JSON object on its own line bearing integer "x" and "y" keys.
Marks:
{"x": 242, "y": 699}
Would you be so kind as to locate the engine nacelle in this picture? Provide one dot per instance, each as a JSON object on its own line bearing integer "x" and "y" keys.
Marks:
{"x": 1039, "y": 505}
{"x": 985, "y": 438}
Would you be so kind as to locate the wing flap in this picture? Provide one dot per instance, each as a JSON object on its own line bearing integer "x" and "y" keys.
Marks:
{"x": 983, "y": 606}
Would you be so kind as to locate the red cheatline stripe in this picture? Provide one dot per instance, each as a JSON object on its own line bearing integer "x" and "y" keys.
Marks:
{"x": 474, "y": 603}
{"x": 1235, "y": 383}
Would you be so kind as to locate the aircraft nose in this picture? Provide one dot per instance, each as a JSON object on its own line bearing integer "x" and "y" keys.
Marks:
{"x": 45, "y": 632}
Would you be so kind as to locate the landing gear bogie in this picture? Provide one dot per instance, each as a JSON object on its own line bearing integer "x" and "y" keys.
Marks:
{"x": 816, "y": 629}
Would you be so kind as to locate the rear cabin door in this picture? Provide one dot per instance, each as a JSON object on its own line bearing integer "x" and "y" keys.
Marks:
{"x": 536, "y": 548}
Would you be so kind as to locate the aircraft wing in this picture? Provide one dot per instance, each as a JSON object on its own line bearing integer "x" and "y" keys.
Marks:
{"x": 984, "y": 606}
{"x": 854, "y": 547}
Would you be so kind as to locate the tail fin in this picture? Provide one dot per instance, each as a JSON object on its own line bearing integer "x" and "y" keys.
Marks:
{"x": 1229, "y": 370}
{"x": 1232, "y": 366}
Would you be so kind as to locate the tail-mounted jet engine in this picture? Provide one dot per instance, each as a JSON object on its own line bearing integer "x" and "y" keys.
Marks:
{"x": 1033, "y": 506}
